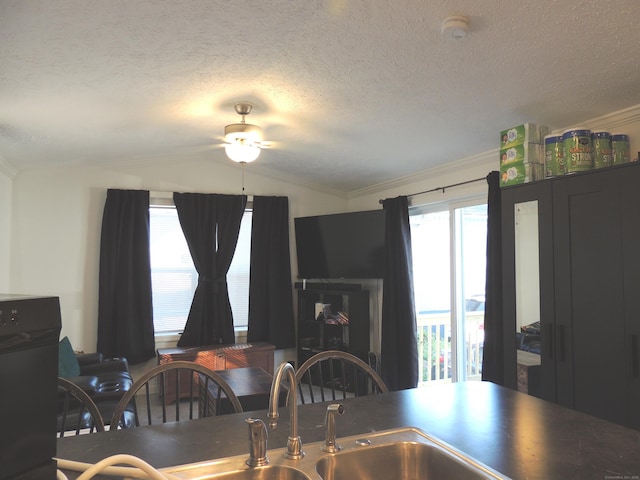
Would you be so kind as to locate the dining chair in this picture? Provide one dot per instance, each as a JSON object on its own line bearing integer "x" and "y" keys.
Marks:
{"x": 201, "y": 392}
{"x": 76, "y": 410}
{"x": 334, "y": 375}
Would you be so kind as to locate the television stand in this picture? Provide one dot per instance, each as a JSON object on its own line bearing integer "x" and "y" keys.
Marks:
{"x": 348, "y": 332}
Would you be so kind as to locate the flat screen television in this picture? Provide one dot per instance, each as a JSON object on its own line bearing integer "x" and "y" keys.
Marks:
{"x": 341, "y": 245}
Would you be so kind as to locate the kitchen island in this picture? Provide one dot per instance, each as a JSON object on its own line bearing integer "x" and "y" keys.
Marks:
{"x": 518, "y": 435}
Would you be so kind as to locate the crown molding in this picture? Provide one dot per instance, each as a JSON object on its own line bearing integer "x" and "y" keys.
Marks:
{"x": 613, "y": 122}
{"x": 485, "y": 159}
{"x": 7, "y": 168}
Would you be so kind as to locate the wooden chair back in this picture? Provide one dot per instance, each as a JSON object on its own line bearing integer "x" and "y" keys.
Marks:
{"x": 207, "y": 394}
{"x": 334, "y": 375}
{"x": 76, "y": 410}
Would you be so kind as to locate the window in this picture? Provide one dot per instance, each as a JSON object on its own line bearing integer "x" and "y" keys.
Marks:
{"x": 449, "y": 268}
{"x": 174, "y": 277}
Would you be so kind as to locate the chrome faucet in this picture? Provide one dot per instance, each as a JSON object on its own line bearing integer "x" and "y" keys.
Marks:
{"x": 330, "y": 445}
{"x": 257, "y": 443}
{"x": 294, "y": 443}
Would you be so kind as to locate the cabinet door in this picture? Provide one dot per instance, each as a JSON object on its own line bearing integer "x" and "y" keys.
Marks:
{"x": 631, "y": 267}
{"x": 528, "y": 290}
{"x": 589, "y": 287}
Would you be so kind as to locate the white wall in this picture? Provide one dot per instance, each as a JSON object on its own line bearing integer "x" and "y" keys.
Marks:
{"x": 7, "y": 173}
{"x": 57, "y": 215}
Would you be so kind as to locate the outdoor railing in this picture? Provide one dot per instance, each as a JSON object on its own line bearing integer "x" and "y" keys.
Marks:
{"x": 434, "y": 346}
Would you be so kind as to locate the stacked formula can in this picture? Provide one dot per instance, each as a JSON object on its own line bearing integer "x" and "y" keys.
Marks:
{"x": 601, "y": 143}
{"x": 579, "y": 150}
{"x": 554, "y": 156}
{"x": 620, "y": 149}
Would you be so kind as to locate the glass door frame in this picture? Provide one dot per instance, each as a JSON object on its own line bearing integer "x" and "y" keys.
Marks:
{"x": 456, "y": 301}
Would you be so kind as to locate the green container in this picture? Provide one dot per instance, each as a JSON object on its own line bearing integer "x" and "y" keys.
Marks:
{"x": 553, "y": 156}
{"x": 519, "y": 172}
{"x": 525, "y": 133}
{"x": 578, "y": 153}
{"x": 527, "y": 152}
{"x": 601, "y": 143}
{"x": 620, "y": 149}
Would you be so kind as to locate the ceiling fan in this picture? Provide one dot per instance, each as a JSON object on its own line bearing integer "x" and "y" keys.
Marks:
{"x": 243, "y": 141}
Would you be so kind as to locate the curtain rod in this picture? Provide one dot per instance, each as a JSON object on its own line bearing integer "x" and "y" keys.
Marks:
{"x": 159, "y": 198}
{"x": 168, "y": 194}
{"x": 437, "y": 189}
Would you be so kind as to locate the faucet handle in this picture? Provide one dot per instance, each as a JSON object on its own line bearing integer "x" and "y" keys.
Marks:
{"x": 330, "y": 445}
{"x": 257, "y": 443}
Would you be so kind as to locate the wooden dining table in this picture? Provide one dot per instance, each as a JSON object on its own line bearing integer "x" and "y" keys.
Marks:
{"x": 252, "y": 386}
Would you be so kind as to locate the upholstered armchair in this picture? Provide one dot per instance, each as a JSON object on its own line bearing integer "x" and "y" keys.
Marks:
{"x": 105, "y": 380}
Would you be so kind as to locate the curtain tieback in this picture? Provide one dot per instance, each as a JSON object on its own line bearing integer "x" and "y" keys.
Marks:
{"x": 216, "y": 282}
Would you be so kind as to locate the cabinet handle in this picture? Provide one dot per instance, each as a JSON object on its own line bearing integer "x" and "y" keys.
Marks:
{"x": 549, "y": 341}
{"x": 634, "y": 355}
{"x": 561, "y": 343}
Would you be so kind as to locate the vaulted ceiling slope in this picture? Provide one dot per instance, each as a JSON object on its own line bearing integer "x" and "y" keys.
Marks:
{"x": 351, "y": 93}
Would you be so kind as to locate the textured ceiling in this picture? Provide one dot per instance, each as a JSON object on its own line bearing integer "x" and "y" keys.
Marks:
{"x": 351, "y": 93}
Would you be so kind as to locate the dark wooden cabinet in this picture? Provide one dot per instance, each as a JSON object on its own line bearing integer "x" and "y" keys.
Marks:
{"x": 589, "y": 236}
{"x": 589, "y": 269}
{"x": 316, "y": 335}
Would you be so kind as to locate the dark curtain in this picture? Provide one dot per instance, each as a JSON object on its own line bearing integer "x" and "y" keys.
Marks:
{"x": 270, "y": 289}
{"x": 493, "y": 352}
{"x": 399, "y": 342}
{"x": 125, "y": 312}
{"x": 211, "y": 224}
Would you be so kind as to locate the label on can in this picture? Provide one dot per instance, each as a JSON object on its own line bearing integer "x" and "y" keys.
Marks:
{"x": 578, "y": 154}
{"x": 553, "y": 156}
{"x": 601, "y": 149}
{"x": 620, "y": 149}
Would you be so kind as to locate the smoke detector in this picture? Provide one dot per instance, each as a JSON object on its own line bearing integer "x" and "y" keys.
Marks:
{"x": 455, "y": 26}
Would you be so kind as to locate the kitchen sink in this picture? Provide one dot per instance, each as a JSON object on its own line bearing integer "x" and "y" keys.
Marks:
{"x": 399, "y": 454}
{"x": 400, "y": 461}
{"x": 236, "y": 469}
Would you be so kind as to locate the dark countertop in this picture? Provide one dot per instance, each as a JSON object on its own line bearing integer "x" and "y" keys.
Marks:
{"x": 516, "y": 434}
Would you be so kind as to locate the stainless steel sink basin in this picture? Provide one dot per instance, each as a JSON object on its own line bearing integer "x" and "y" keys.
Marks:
{"x": 265, "y": 473}
{"x": 238, "y": 471}
{"x": 400, "y": 461}
{"x": 399, "y": 454}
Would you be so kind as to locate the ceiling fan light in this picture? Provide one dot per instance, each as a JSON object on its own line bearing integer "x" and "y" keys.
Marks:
{"x": 242, "y": 152}
{"x": 242, "y": 139}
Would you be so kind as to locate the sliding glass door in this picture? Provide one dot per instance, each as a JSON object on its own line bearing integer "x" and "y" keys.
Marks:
{"x": 449, "y": 263}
